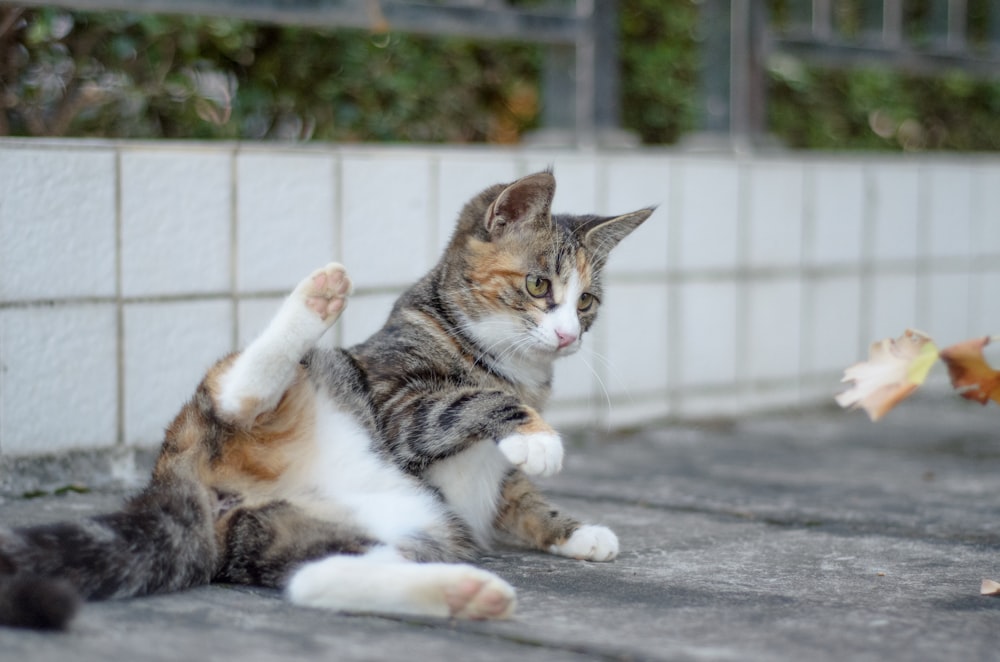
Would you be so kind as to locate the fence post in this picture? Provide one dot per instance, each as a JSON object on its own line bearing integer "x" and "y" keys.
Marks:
{"x": 732, "y": 103}
{"x": 580, "y": 83}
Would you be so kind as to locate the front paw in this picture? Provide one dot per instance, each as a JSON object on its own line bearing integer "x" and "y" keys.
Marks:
{"x": 589, "y": 543}
{"x": 536, "y": 454}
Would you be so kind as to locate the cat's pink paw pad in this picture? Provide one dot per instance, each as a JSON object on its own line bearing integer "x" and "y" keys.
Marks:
{"x": 480, "y": 595}
{"x": 537, "y": 454}
{"x": 589, "y": 543}
{"x": 326, "y": 291}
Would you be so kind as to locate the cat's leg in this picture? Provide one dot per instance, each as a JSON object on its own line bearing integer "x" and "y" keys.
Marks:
{"x": 525, "y": 514}
{"x": 260, "y": 375}
{"x": 384, "y": 582}
{"x": 432, "y": 424}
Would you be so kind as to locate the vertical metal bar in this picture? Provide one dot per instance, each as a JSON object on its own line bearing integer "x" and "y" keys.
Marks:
{"x": 558, "y": 90}
{"x": 937, "y": 24}
{"x": 800, "y": 17}
{"x": 607, "y": 93}
{"x": 993, "y": 20}
{"x": 892, "y": 23}
{"x": 586, "y": 67}
{"x": 746, "y": 110}
{"x": 958, "y": 13}
{"x": 822, "y": 19}
{"x": 714, "y": 22}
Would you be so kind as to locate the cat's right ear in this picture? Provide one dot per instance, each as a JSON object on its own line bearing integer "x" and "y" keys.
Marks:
{"x": 529, "y": 199}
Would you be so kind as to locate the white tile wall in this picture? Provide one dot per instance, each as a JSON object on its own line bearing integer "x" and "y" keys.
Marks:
{"x": 634, "y": 321}
{"x": 838, "y": 211}
{"x": 774, "y": 214}
{"x": 168, "y": 348}
{"x": 176, "y": 221}
{"x": 364, "y": 316}
{"x": 708, "y": 327}
{"x": 58, "y": 373}
{"x": 633, "y": 185}
{"x": 773, "y": 338}
{"x": 893, "y": 306}
{"x": 947, "y": 312}
{"x": 57, "y": 224}
{"x": 755, "y": 282}
{"x": 950, "y": 199}
{"x": 896, "y": 200}
{"x": 832, "y": 321}
{"x": 460, "y": 178}
{"x": 986, "y": 211}
{"x": 386, "y": 236}
{"x": 285, "y": 210}
{"x": 577, "y": 180}
{"x": 708, "y": 214}
{"x": 986, "y": 320}
{"x": 252, "y": 317}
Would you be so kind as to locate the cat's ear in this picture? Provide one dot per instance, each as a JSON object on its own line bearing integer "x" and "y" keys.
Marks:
{"x": 528, "y": 199}
{"x": 603, "y": 234}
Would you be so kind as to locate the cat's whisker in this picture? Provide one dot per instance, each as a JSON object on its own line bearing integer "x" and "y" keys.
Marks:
{"x": 610, "y": 366}
{"x": 600, "y": 382}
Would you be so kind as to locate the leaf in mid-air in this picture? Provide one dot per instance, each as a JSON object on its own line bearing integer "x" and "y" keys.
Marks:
{"x": 970, "y": 373}
{"x": 894, "y": 370}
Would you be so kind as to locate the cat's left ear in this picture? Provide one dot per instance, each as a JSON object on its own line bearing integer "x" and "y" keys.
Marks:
{"x": 603, "y": 234}
{"x": 528, "y": 199}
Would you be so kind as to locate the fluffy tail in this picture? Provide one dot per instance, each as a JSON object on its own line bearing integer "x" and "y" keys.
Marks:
{"x": 163, "y": 540}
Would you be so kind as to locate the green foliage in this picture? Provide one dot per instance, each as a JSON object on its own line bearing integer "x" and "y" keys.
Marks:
{"x": 659, "y": 68}
{"x": 140, "y": 76}
{"x": 143, "y": 76}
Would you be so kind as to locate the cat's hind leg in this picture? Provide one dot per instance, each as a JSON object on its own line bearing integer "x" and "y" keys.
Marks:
{"x": 383, "y": 582}
{"x": 526, "y": 515}
{"x": 259, "y": 376}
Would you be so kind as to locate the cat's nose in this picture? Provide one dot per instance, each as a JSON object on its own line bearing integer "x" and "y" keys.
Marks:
{"x": 565, "y": 338}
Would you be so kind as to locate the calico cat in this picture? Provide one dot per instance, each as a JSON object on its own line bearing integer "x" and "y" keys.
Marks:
{"x": 361, "y": 479}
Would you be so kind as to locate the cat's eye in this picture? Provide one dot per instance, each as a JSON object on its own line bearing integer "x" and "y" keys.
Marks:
{"x": 586, "y": 302}
{"x": 537, "y": 286}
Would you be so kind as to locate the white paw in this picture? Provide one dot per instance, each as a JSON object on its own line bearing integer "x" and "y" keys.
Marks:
{"x": 325, "y": 291}
{"x": 476, "y": 594}
{"x": 537, "y": 454}
{"x": 589, "y": 543}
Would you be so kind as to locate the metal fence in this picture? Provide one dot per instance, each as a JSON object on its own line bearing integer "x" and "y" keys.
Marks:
{"x": 922, "y": 36}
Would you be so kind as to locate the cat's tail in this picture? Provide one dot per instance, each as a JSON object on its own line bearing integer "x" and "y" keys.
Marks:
{"x": 162, "y": 540}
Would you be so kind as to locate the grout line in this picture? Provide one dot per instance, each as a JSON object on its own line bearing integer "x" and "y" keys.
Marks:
{"x": 674, "y": 339}
{"x": 807, "y": 279}
{"x": 234, "y": 212}
{"x": 866, "y": 313}
{"x": 119, "y": 306}
{"x": 337, "y": 218}
{"x": 743, "y": 280}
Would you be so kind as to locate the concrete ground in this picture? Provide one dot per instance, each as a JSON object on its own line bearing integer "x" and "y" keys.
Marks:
{"x": 816, "y": 536}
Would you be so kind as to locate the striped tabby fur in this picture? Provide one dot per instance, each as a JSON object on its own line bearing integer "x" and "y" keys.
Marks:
{"x": 361, "y": 479}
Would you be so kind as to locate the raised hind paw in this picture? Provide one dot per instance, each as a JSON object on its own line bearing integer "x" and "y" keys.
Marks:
{"x": 325, "y": 291}
{"x": 589, "y": 543}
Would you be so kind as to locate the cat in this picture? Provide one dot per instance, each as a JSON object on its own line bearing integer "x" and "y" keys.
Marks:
{"x": 363, "y": 479}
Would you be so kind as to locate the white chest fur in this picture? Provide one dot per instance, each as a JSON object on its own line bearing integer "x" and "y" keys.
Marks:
{"x": 347, "y": 473}
{"x": 470, "y": 482}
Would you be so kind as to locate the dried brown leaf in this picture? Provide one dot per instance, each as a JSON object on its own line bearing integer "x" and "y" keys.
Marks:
{"x": 894, "y": 370}
{"x": 971, "y": 375}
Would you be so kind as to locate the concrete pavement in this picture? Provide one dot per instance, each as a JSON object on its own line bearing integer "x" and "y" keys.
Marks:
{"x": 812, "y": 536}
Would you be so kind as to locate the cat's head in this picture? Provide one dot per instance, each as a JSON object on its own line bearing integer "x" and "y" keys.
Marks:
{"x": 527, "y": 283}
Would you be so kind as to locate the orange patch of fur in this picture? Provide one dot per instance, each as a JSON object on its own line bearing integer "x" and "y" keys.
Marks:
{"x": 535, "y": 424}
